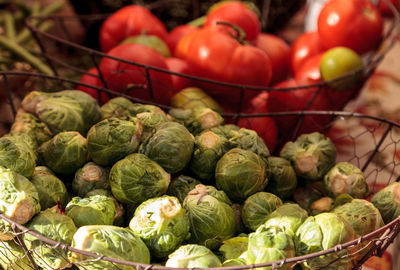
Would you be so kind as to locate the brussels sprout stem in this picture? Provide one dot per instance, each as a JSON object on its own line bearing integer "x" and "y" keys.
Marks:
{"x": 9, "y": 25}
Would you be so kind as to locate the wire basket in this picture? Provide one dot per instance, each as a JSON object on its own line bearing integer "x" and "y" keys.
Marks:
{"x": 233, "y": 97}
{"x": 370, "y": 143}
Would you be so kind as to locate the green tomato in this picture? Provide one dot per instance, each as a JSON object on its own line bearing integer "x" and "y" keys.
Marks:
{"x": 341, "y": 61}
{"x": 151, "y": 41}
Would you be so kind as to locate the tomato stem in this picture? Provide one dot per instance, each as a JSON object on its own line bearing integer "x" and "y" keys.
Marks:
{"x": 240, "y": 34}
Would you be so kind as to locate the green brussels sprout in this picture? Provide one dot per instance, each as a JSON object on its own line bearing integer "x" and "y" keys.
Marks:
{"x": 17, "y": 154}
{"x": 107, "y": 240}
{"x": 288, "y": 217}
{"x": 140, "y": 108}
{"x": 192, "y": 256}
{"x": 94, "y": 210}
{"x": 193, "y": 97}
{"x": 19, "y": 199}
{"x": 162, "y": 224}
{"x": 118, "y": 107}
{"x": 282, "y": 180}
{"x": 257, "y": 207}
{"x": 362, "y": 215}
{"x": 248, "y": 139}
{"x": 112, "y": 139}
{"x": 306, "y": 195}
{"x": 208, "y": 149}
{"x": 345, "y": 178}
{"x": 68, "y": 110}
{"x": 181, "y": 185}
{"x": 235, "y": 262}
{"x": 197, "y": 119}
{"x": 50, "y": 188}
{"x": 322, "y": 232}
{"x": 53, "y": 225}
{"x": 228, "y": 130}
{"x": 211, "y": 216}
{"x": 312, "y": 155}
{"x": 6, "y": 231}
{"x": 324, "y": 204}
{"x": 32, "y": 126}
{"x": 387, "y": 200}
{"x": 91, "y": 176}
{"x": 241, "y": 173}
{"x": 150, "y": 120}
{"x": 270, "y": 243}
{"x": 12, "y": 256}
{"x": 65, "y": 153}
{"x": 119, "y": 208}
{"x": 234, "y": 247}
{"x": 171, "y": 146}
{"x": 137, "y": 178}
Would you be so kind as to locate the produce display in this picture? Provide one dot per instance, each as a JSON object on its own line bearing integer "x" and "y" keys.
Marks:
{"x": 154, "y": 171}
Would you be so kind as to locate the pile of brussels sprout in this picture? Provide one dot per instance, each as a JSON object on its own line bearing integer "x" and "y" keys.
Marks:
{"x": 180, "y": 188}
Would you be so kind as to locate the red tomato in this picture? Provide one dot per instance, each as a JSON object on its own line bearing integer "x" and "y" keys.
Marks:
{"x": 279, "y": 53}
{"x": 212, "y": 53}
{"x": 264, "y": 126}
{"x": 176, "y": 34}
{"x": 237, "y": 13}
{"x": 304, "y": 47}
{"x": 298, "y": 100}
{"x": 131, "y": 79}
{"x": 101, "y": 97}
{"x": 310, "y": 69}
{"x": 384, "y": 8}
{"x": 179, "y": 66}
{"x": 129, "y": 21}
{"x": 356, "y": 24}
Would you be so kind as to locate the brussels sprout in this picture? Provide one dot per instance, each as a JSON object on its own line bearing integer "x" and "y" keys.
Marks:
{"x": 6, "y": 231}
{"x": 150, "y": 120}
{"x": 192, "y": 256}
{"x": 234, "y": 262}
{"x": 249, "y": 140}
{"x": 141, "y": 108}
{"x": 17, "y": 155}
{"x": 288, "y": 217}
{"x": 257, "y": 207}
{"x": 322, "y": 232}
{"x": 162, "y": 224}
{"x": 270, "y": 244}
{"x": 324, "y": 204}
{"x": 119, "y": 208}
{"x": 282, "y": 180}
{"x": 171, "y": 146}
{"x": 362, "y": 215}
{"x": 12, "y": 256}
{"x": 193, "y": 97}
{"x": 137, "y": 178}
{"x": 53, "y": 225}
{"x": 197, "y": 119}
{"x": 241, "y": 173}
{"x": 312, "y": 155}
{"x": 112, "y": 139}
{"x": 345, "y": 178}
{"x": 50, "y": 188}
{"x": 306, "y": 195}
{"x": 234, "y": 247}
{"x": 94, "y": 210}
{"x": 387, "y": 200}
{"x": 211, "y": 216}
{"x": 68, "y": 110}
{"x": 118, "y": 107}
{"x": 91, "y": 176}
{"x": 107, "y": 240}
{"x": 19, "y": 199}
{"x": 228, "y": 130}
{"x": 181, "y": 185}
{"x": 32, "y": 126}
{"x": 65, "y": 152}
{"x": 208, "y": 149}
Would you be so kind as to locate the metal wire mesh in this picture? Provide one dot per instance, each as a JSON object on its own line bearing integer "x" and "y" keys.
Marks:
{"x": 378, "y": 159}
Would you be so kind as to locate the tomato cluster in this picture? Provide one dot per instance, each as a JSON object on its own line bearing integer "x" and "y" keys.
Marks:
{"x": 231, "y": 60}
